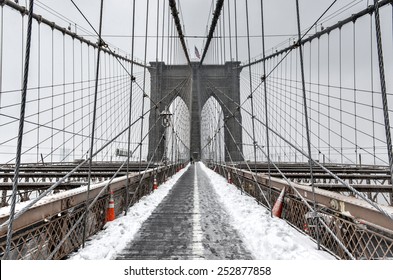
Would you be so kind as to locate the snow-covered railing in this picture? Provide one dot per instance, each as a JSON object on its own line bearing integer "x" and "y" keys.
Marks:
{"x": 39, "y": 231}
{"x": 364, "y": 231}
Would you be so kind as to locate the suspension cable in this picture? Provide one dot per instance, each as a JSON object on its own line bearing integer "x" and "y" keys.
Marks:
{"x": 376, "y": 206}
{"x": 91, "y": 150}
{"x": 130, "y": 106}
{"x": 217, "y": 13}
{"x": 306, "y": 117}
{"x": 20, "y": 131}
{"x": 383, "y": 90}
{"x": 266, "y": 107}
{"x": 144, "y": 85}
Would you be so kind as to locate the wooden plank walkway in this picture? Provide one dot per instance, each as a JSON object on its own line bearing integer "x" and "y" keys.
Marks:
{"x": 188, "y": 224}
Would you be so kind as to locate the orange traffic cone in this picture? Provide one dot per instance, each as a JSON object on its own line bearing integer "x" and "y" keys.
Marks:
{"x": 305, "y": 228}
{"x": 155, "y": 185}
{"x": 229, "y": 178}
{"x": 110, "y": 213}
{"x": 277, "y": 208}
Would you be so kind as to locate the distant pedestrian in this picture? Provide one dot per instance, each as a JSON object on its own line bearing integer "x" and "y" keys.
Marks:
{"x": 191, "y": 160}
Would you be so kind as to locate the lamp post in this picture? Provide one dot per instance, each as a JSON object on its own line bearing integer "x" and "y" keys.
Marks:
{"x": 166, "y": 122}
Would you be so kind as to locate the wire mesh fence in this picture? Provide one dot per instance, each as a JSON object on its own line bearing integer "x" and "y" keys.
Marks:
{"x": 362, "y": 239}
{"x": 39, "y": 240}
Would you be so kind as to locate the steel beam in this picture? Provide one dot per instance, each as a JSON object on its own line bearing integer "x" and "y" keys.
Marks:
{"x": 50, "y": 207}
{"x": 350, "y": 207}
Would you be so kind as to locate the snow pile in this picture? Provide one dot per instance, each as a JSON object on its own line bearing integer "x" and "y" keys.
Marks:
{"x": 264, "y": 236}
{"x": 116, "y": 234}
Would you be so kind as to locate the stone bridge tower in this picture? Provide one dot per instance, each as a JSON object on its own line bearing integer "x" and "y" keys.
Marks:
{"x": 195, "y": 84}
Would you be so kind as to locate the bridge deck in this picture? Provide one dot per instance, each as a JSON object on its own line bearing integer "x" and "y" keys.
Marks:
{"x": 188, "y": 224}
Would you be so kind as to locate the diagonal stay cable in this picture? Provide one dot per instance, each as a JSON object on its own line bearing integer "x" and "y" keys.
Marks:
{"x": 296, "y": 44}
{"x": 297, "y": 192}
{"x": 241, "y": 152}
{"x": 339, "y": 242}
{"x": 61, "y": 242}
{"x": 376, "y": 206}
{"x": 12, "y": 216}
{"x": 65, "y": 177}
{"x": 103, "y": 44}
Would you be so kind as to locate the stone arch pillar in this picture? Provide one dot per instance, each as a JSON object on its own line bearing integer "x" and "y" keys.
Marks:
{"x": 225, "y": 83}
{"x": 166, "y": 83}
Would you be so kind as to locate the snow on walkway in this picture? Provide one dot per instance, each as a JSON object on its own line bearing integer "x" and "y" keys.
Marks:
{"x": 264, "y": 236}
{"x": 115, "y": 236}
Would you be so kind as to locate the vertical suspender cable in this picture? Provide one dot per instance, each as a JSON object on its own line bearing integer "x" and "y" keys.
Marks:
{"x": 287, "y": 129}
{"x": 172, "y": 43}
{"x": 319, "y": 98}
{"x": 290, "y": 97}
{"x": 1, "y": 51}
{"x": 158, "y": 28}
{"x": 169, "y": 40}
{"x": 310, "y": 77}
{"x": 130, "y": 107}
{"x": 162, "y": 32}
{"x": 354, "y": 91}
{"x": 88, "y": 94}
{"x": 38, "y": 89}
{"x": 296, "y": 122}
{"x": 144, "y": 86}
{"x": 100, "y": 45}
{"x": 251, "y": 91}
{"x": 281, "y": 82}
{"x": 328, "y": 97}
{"x": 4, "y": 192}
{"x": 20, "y": 132}
{"x": 223, "y": 31}
{"x": 220, "y": 35}
{"x": 372, "y": 85}
{"x": 63, "y": 152}
{"x": 23, "y": 50}
{"x": 53, "y": 93}
{"x": 341, "y": 100}
{"x": 112, "y": 105}
{"x": 82, "y": 97}
{"x": 155, "y": 111}
{"x": 306, "y": 115}
{"x": 383, "y": 92}
{"x": 275, "y": 101}
{"x": 107, "y": 80}
{"x": 236, "y": 39}
{"x": 266, "y": 107}
{"x": 230, "y": 31}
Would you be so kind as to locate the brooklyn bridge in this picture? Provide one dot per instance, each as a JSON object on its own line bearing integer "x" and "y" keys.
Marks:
{"x": 102, "y": 104}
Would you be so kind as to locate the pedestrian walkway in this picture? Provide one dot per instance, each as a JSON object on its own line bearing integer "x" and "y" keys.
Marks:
{"x": 189, "y": 223}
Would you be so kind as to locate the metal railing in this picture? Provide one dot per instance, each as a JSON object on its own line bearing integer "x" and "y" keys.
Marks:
{"x": 365, "y": 232}
{"x": 40, "y": 230}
